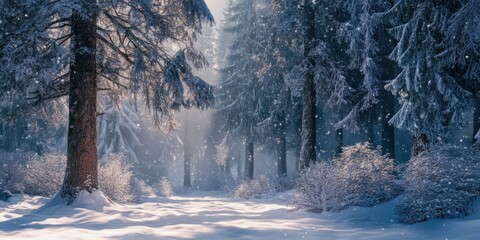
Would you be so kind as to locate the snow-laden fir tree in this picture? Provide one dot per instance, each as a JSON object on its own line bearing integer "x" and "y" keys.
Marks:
{"x": 332, "y": 79}
{"x": 128, "y": 131}
{"x": 118, "y": 129}
{"x": 22, "y": 132}
{"x": 321, "y": 76}
{"x": 281, "y": 51}
{"x": 241, "y": 89}
{"x": 370, "y": 44}
{"x": 74, "y": 48}
{"x": 432, "y": 100}
{"x": 461, "y": 54}
{"x": 308, "y": 151}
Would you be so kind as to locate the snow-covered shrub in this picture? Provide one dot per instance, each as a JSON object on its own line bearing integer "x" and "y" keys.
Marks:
{"x": 10, "y": 166}
{"x": 316, "y": 188}
{"x": 141, "y": 188}
{"x": 360, "y": 176}
{"x": 283, "y": 184}
{"x": 115, "y": 178}
{"x": 262, "y": 187}
{"x": 166, "y": 189}
{"x": 43, "y": 175}
{"x": 5, "y": 195}
{"x": 226, "y": 182}
{"x": 442, "y": 182}
{"x": 367, "y": 176}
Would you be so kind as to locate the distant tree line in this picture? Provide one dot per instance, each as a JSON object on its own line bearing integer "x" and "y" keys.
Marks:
{"x": 293, "y": 71}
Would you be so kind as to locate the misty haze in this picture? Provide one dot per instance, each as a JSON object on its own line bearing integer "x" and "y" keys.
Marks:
{"x": 239, "y": 119}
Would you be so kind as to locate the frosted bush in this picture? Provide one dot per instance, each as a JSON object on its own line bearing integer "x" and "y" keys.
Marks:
{"x": 115, "y": 178}
{"x": 10, "y": 174}
{"x": 166, "y": 189}
{"x": 262, "y": 187}
{"x": 43, "y": 175}
{"x": 367, "y": 176}
{"x": 360, "y": 176}
{"x": 440, "y": 183}
{"x": 284, "y": 184}
{"x": 316, "y": 188}
{"x": 141, "y": 188}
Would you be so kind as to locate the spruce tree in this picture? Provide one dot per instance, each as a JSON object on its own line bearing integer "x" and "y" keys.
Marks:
{"x": 75, "y": 48}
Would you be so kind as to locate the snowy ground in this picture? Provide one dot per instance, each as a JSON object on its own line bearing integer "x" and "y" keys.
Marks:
{"x": 211, "y": 215}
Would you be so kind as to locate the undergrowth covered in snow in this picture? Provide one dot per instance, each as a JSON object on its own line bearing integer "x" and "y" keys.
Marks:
{"x": 262, "y": 187}
{"x": 43, "y": 176}
{"x": 11, "y": 165}
{"x": 166, "y": 188}
{"x": 360, "y": 176}
{"x": 442, "y": 182}
{"x": 115, "y": 178}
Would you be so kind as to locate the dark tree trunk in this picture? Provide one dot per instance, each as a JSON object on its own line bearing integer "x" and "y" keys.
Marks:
{"x": 389, "y": 71}
{"x": 371, "y": 120}
{"x": 239, "y": 163}
{"x": 388, "y": 131}
{"x": 308, "y": 153}
{"x": 226, "y": 168}
{"x": 187, "y": 158}
{"x": 419, "y": 144}
{"x": 282, "y": 152}
{"x": 249, "y": 160}
{"x": 339, "y": 142}
{"x": 82, "y": 164}
{"x": 476, "y": 119}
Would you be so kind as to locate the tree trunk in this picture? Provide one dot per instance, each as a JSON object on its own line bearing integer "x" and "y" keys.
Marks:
{"x": 476, "y": 120}
{"x": 82, "y": 163}
{"x": 239, "y": 163}
{"x": 371, "y": 120}
{"x": 187, "y": 159}
{"x": 339, "y": 141}
{"x": 282, "y": 153}
{"x": 226, "y": 168}
{"x": 388, "y": 131}
{"x": 308, "y": 153}
{"x": 419, "y": 144}
{"x": 249, "y": 160}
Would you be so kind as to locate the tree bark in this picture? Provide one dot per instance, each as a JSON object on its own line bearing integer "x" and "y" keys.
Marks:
{"x": 239, "y": 163}
{"x": 187, "y": 159}
{"x": 339, "y": 141}
{"x": 82, "y": 163}
{"x": 371, "y": 120}
{"x": 282, "y": 153}
{"x": 249, "y": 160}
{"x": 476, "y": 119}
{"x": 388, "y": 131}
{"x": 308, "y": 153}
{"x": 419, "y": 144}
{"x": 226, "y": 168}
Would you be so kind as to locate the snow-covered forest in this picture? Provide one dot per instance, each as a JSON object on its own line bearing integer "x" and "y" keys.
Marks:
{"x": 239, "y": 119}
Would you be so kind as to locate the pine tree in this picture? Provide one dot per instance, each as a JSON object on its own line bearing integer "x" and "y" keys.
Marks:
{"x": 432, "y": 101}
{"x": 84, "y": 46}
{"x": 370, "y": 44}
{"x": 118, "y": 129}
{"x": 335, "y": 83}
{"x": 308, "y": 153}
{"x": 461, "y": 54}
{"x": 241, "y": 89}
{"x": 280, "y": 53}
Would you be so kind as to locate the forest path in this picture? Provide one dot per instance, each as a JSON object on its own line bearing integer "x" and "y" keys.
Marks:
{"x": 206, "y": 215}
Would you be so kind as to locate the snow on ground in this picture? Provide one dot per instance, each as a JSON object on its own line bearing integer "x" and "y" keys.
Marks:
{"x": 211, "y": 215}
